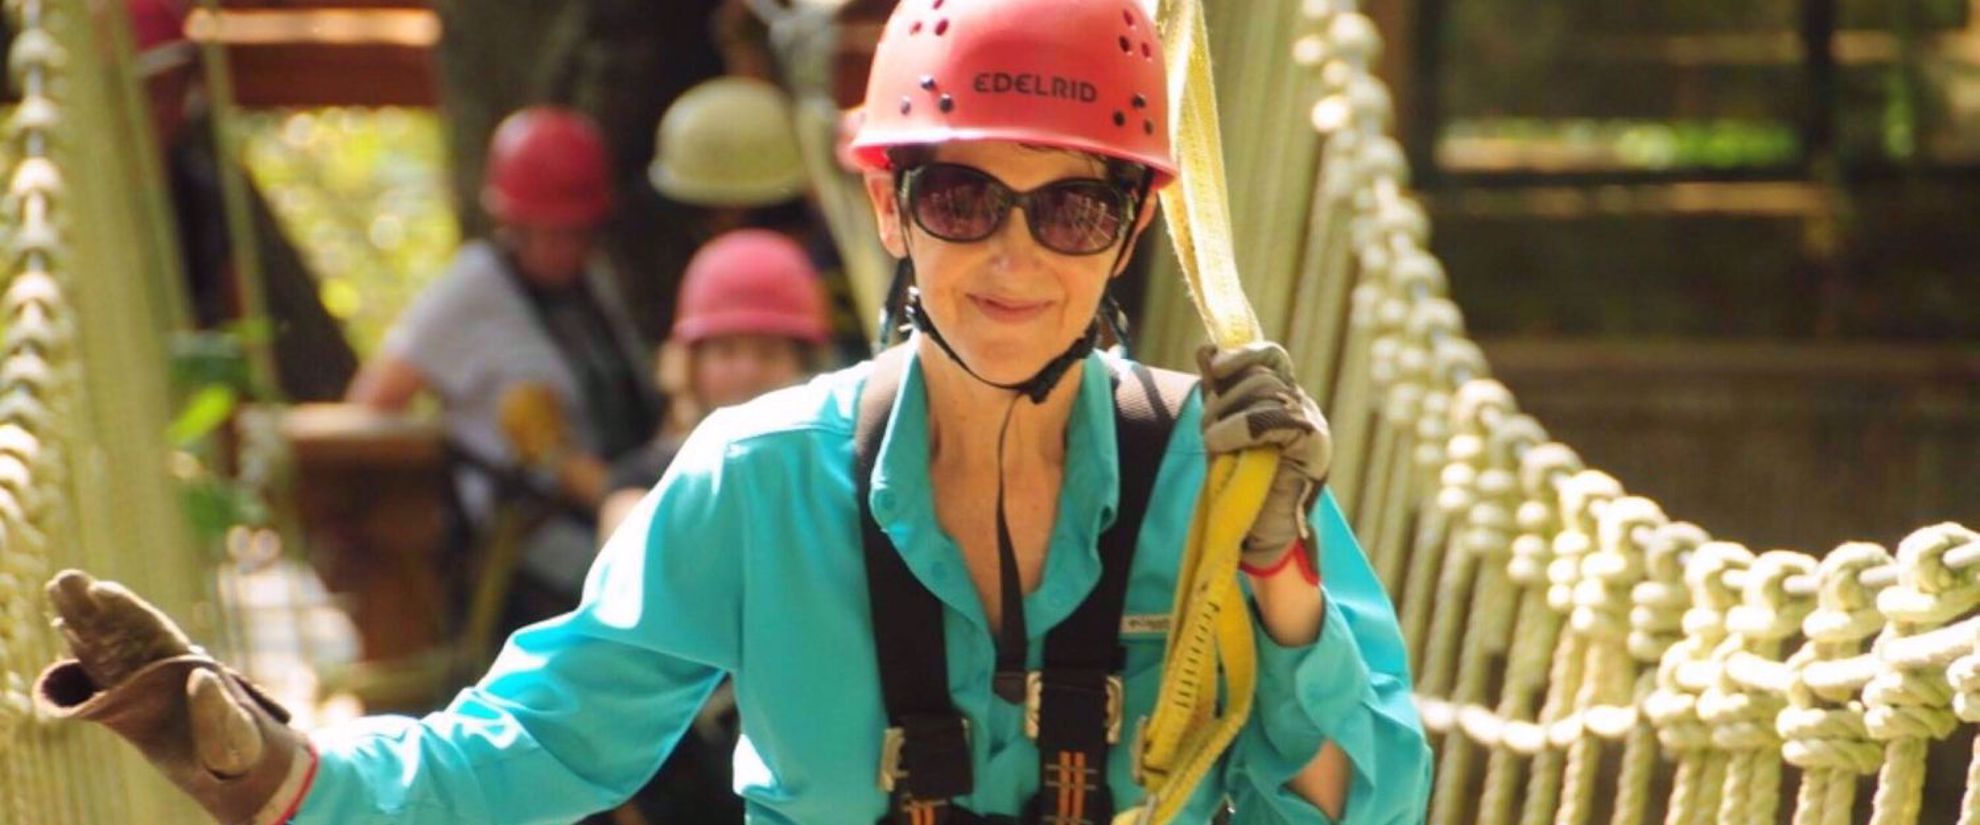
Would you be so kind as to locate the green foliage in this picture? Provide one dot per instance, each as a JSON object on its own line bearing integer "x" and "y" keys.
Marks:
{"x": 363, "y": 193}
{"x": 1617, "y": 144}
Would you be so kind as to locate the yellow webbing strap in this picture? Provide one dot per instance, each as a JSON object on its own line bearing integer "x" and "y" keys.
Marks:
{"x": 1210, "y": 626}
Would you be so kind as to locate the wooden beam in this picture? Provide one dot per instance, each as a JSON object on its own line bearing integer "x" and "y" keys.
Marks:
{"x": 307, "y": 53}
{"x": 308, "y": 74}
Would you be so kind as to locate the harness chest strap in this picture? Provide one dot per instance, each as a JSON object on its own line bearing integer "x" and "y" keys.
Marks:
{"x": 1074, "y": 704}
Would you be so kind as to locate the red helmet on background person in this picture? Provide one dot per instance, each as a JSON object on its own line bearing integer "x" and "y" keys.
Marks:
{"x": 158, "y": 34}
{"x": 1085, "y": 75}
{"x": 751, "y": 282}
{"x": 547, "y": 166}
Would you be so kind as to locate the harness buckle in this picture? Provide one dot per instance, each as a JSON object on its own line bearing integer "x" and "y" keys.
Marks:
{"x": 941, "y": 748}
{"x": 1034, "y": 694}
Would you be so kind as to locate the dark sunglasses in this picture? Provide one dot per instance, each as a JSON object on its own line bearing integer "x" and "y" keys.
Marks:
{"x": 963, "y": 204}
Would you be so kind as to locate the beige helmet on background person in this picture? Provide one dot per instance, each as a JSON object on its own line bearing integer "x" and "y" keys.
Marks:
{"x": 728, "y": 142}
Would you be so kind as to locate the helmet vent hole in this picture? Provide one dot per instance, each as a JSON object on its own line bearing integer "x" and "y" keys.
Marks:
{"x": 1127, "y": 15}
{"x": 1146, "y": 52}
{"x": 916, "y": 28}
{"x": 947, "y": 103}
{"x": 938, "y": 4}
{"x": 941, "y": 27}
{"x": 906, "y": 105}
{"x": 1147, "y": 127}
{"x": 1120, "y": 118}
{"x": 1126, "y": 47}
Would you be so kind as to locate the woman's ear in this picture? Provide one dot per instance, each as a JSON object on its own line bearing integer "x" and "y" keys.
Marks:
{"x": 886, "y": 212}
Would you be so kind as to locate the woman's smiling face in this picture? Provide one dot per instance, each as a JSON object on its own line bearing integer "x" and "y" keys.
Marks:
{"x": 1005, "y": 304}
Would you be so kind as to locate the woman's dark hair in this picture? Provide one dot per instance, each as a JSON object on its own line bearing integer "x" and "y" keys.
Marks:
{"x": 1126, "y": 174}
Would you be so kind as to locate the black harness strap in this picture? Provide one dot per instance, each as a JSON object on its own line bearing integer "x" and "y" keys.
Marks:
{"x": 1074, "y": 702}
{"x": 1080, "y": 693}
{"x": 926, "y": 754}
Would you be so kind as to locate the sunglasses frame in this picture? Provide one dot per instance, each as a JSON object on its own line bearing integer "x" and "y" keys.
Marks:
{"x": 1012, "y": 199}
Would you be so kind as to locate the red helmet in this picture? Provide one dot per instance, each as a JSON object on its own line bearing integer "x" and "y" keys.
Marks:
{"x": 547, "y": 167}
{"x": 158, "y": 31}
{"x": 1074, "y": 74}
{"x": 751, "y": 281}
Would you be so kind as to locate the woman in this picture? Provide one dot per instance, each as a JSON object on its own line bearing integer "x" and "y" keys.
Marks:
{"x": 527, "y": 306}
{"x": 1013, "y": 148}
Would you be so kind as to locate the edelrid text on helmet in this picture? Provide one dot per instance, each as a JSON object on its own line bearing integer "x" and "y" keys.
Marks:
{"x": 1083, "y": 75}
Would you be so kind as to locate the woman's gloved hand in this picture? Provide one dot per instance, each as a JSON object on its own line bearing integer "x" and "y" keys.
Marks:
{"x": 205, "y": 727}
{"x": 1250, "y": 399}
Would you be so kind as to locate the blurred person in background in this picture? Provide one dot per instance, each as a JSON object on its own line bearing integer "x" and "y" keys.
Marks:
{"x": 729, "y": 147}
{"x": 750, "y": 318}
{"x": 524, "y": 311}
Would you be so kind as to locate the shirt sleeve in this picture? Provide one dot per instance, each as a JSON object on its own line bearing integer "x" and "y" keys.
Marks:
{"x": 1352, "y": 687}
{"x": 440, "y": 332}
{"x": 577, "y": 712}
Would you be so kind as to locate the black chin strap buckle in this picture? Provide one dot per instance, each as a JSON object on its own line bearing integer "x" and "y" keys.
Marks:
{"x": 1038, "y": 385}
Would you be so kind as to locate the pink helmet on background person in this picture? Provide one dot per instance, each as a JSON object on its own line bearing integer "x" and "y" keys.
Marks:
{"x": 547, "y": 166}
{"x": 1085, "y": 75}
{"x": 751, "y": 282}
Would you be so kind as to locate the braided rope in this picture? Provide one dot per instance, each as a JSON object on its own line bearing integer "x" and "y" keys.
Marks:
{"x": 1752, "y": 686}
{"x": 32, "y": 373}
{"x": 1464, "y": 502}
{"x": 1601, "y": 616}
{"x": 1656, "y": 624}
{"x": 1397, "y": 482}
{"x": 1687, "y": 669}
{"x": 1964, "y": 677}
{"x": 1581, "y": 497}
{"x": 1436, "y": 537}
{"x": 1536, "y": 625}
{"x": 1823, "y": 729}
{"x": 1910, "y": 700}
{"x": 1487, "y": 536}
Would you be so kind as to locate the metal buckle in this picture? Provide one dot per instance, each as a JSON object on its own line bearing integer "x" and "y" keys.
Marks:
{"x": 891, "y": 744}
{"x": 1136, "y": 771}
{"x": 890, "y": 758}
{"x": 1034, "y": 690}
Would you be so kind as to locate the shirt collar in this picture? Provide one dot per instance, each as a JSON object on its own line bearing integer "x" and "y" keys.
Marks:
{"x": 903, "y": 499}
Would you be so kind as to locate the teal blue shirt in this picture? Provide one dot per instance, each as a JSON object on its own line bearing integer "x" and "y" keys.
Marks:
{"x": 745, "y": 561}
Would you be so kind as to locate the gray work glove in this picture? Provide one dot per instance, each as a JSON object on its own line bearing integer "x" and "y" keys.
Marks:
{"x": 206, "y": 728}
{"x": 1250, "y": 399}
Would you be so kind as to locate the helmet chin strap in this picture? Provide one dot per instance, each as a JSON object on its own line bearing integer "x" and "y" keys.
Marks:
{"x": 904, "y": 299}
{"x": 1010, "y": 636}
{"x": 1036, "y": 387}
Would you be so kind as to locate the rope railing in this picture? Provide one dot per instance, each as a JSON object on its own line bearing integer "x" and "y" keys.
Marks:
{"x": 83, "y": 476}
{"x": 1580, "y": 656}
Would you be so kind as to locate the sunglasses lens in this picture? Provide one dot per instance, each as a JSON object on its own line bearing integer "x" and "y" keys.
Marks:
{"x": 956, "y": 204}
{"x": 1078, "y": 217}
